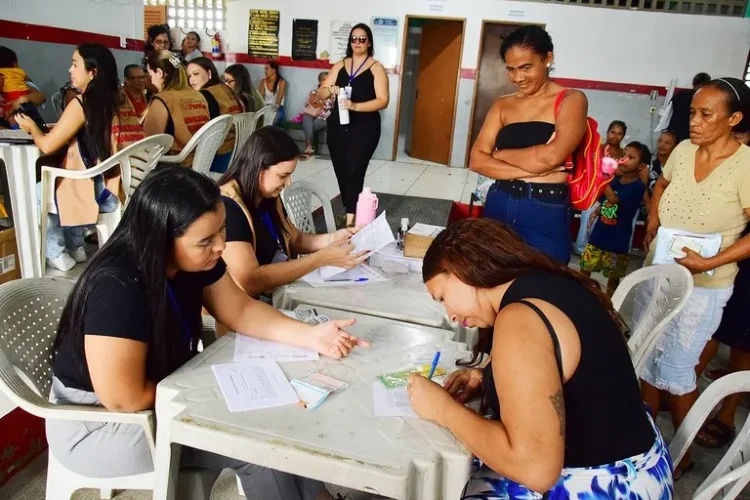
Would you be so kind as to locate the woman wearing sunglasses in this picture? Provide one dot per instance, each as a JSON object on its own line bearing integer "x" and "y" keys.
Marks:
{"x": 353, "y": 145}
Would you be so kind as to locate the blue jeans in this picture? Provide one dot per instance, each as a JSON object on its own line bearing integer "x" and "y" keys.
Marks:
{"x": 583, "y": 232}
{"x": 60, "y": 239}
{"x": 544, "y": 225}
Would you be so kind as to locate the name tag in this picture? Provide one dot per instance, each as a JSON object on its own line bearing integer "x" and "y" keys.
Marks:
{"x": 279, "y": 257}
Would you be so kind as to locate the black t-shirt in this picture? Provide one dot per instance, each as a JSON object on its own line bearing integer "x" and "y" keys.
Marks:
{"x": 238, "y": 229}
{"x": 116, "y": 307}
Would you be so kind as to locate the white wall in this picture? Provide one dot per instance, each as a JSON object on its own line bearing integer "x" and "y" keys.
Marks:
{"x": 590, "y": 43}
{"x": 120, "y": 18}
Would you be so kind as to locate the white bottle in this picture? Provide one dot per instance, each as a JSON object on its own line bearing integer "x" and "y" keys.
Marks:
{"x": 343, "y": 112}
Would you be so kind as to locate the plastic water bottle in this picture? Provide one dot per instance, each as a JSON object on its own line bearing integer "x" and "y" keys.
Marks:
{"x": 367, "y": 207}
{"x": 343, "y": 112}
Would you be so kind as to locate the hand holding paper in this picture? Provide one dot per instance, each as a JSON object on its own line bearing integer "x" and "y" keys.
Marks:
{"x": 369, "y": 239}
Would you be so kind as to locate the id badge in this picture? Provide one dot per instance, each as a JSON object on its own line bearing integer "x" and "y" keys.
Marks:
{"x": 348, "y": 90}
{"x": 279, "y": 257}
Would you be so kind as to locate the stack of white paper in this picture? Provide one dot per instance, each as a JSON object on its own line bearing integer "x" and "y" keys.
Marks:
{"x": 252, "y": 385}
{"x": 370, "y": 238}
{"x": 249, "y": 348}
{"x": 670, "y": 242}
{"x": 361, "y": 274}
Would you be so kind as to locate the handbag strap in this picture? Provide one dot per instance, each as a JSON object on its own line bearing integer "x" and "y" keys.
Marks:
{"x": 558, "y": 102}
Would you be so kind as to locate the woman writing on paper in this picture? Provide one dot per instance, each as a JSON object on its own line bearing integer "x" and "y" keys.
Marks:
{"x": 134, "y": 317}
{"x": 560, "y": 376}
{"x": 704, "y": 188}
{"x": 262, "y": 244}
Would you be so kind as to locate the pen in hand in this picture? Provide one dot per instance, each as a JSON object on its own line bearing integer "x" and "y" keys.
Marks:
{"x": 434, "y": 365}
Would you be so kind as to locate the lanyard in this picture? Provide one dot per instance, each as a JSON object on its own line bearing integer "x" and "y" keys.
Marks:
{"x": 352, "y": 73}
{"x": 186, "y": 330}
{"x": 266, "y": 218}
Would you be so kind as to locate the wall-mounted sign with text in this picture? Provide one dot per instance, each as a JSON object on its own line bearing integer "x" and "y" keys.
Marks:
{"x": 263, "y": 34}
{"x": 385, "y": 34}
{"x": 339, "y": 40}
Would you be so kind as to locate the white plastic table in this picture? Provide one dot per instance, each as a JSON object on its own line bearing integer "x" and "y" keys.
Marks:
{"x": 340, "y": 442}
{"x": 20, "y": 163}
{"x": 404, "y": 298}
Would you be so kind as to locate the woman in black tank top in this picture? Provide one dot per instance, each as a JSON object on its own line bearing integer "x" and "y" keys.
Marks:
{"x": 524, "y": 142}
{"x": 353, "y": 145}
{"x": 564, "y": 401}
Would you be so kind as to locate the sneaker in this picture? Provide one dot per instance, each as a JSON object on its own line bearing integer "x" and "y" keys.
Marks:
{"x": 79, "y": 255}
{"x": 63, "y": 263}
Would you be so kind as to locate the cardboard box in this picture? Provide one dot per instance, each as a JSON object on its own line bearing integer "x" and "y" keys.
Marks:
{"x": 10, "y": 268}
{"x": 419, "y": 238}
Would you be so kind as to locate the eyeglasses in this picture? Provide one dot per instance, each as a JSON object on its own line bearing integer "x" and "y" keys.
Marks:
{"x": 359, "y": 39}
{"x": 229, "y": 81}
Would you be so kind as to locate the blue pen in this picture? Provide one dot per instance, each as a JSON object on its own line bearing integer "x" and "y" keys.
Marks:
{"x": 434, "y": 365}
{"x": 347, "y": 280}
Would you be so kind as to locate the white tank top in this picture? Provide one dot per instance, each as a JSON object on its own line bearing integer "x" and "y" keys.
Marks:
{"x": 270, "y": 97}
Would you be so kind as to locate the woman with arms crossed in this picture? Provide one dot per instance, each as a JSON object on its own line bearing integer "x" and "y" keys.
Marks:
{"x": 524, "y": 143}
{"x": 134, "y": 317}
{"x": 566, "y": 414}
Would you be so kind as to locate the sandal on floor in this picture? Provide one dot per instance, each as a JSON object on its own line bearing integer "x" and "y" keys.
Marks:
{"x": 720, "y": 435}
{"x": 682, "y": 470}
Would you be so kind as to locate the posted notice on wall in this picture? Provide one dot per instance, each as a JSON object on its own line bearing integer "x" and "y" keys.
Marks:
{"x": 385, "y": 33}
{"x": 263, "y": 34}
{"x": 339, "y": 40}
{"x": 304, "y": 39}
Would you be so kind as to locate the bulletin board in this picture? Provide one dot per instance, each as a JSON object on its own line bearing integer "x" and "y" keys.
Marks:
{"x": 339, "y": 40}
{"x": 263, "y": 34}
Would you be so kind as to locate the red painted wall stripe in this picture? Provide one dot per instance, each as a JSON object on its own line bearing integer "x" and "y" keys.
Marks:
{"x": 50, "y": 34}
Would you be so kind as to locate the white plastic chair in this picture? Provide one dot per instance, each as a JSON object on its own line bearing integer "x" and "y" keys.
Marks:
{"x": 244, "y": 125}
{"x": 135, "y": 162}
{"x": 29, "y": 313}
{"x": 268, "y": 113}
{"x": 57, "y": 103}
{"x": 660, "y": 294}
{"x": 732, "y": 473}
{"x": 206, "y": 142}
{"x": 297, "y": 199}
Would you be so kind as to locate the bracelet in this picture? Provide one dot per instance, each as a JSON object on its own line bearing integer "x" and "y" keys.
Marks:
{"x": 330, "y": 93}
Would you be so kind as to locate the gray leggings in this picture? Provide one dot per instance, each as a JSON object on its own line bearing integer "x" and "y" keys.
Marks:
{"x": 311, "y": 125}
{"x": 108, "y": 450}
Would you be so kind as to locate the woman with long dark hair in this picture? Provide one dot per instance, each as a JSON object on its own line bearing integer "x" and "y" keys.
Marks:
{"x": 95, "y": 125}
{"x": 262, "y": 244}
{"x": 204, "y": 77}
{"x": 353, "y": 145}
{"x": 573, "y": 423}
{"x": 524, "y": 142}
{"x": 177, "y": 110}
{"x": 237, "y": 78}
{"x": 159, "y": 37}
{"x": 273, "y": 89}
{"x": 134, "y": 317}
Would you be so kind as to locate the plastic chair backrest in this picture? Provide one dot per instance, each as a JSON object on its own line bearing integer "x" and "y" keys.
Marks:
{"x": 142, "y": 158}
{"x": 655, "y": 295}
{"x": 268, "y": 113}
{"x": 205, "y": 143}
{"x": 244, "y": 126}
{"x": 732, "y": 473}
{"x": 297, "y": 199}
{"x": 57, "y": 101}
{"x": 30, "y": 310}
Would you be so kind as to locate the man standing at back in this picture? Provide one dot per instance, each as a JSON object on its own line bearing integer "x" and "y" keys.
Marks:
{"x": 680, "y": 122}
{"x": 135, "y": 89}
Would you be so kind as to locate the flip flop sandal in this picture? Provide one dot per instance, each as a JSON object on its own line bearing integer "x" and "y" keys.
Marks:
{"x": 719, "y": 432}
{"x": 684, "y": 470}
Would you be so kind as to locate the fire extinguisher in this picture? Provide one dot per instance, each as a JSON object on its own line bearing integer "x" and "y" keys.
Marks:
{"x": 216, "y": 46}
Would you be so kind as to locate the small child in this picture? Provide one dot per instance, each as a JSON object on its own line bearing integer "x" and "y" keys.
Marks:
{"x": 13, "y": 79}
{"x": 609, "y": 244}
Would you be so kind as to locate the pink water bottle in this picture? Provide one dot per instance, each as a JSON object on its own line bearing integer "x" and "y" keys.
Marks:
{"x": 609, "y": 165}
{"x": 367, "y": 207}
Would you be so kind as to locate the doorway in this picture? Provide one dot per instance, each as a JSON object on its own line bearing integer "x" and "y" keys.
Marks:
{"x": 492, "y": 80}
{"x": 431, "y": 64}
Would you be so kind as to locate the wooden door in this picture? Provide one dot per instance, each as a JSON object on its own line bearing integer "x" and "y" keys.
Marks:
{"x": 434, "y": 109}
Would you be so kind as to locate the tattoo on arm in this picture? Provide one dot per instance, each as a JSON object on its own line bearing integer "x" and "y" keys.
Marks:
{"x": 558, "y": 402}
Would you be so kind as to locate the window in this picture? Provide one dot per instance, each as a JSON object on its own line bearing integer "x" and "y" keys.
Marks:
{"x": 193, "y": 14}
{"x": 732, "y": 8}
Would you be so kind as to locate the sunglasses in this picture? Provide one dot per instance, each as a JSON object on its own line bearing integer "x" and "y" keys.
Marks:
{"x": 359, "y": 39}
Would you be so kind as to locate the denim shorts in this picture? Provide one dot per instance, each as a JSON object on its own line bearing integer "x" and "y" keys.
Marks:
{"x": 671, "y": 366}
